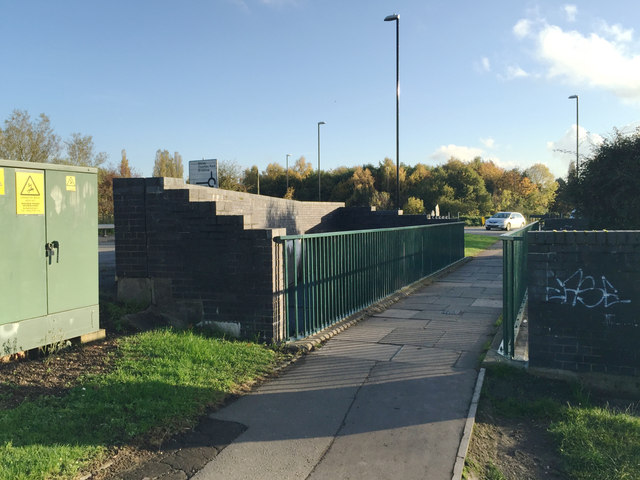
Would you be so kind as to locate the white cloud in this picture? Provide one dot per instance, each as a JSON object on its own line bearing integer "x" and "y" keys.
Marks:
{"x": 564, "y": 149}
{"x": 606, "y": 59}
{"x": 515, "y": 71}
{"x": 486, "y": 64}
{"x": 571, "y": 11}
{"x": 617, "y": 32}
{"x": 522, "y": 29}
{"x": 445, "y": 152}
{"x": 590, "y": 60}
{"x": 488, "y": 142}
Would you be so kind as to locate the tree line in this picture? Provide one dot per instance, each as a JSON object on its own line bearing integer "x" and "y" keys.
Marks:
{"x": 478, "y": 187}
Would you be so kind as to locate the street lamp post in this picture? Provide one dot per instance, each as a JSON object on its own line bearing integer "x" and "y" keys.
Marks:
{"x": 396, "y": 18}
{"x": 288, "y": 155}
{"x": 577, "y": 136}
{"x": 319, "y": 123}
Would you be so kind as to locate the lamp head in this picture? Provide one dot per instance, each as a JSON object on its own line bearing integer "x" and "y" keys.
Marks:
{"x": 391, "y": 18}
{"x": 321, "y": 123}
{"x": 573, "y": 96}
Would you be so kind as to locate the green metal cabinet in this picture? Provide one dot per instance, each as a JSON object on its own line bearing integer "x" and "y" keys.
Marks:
{"x": 49, "y": 252}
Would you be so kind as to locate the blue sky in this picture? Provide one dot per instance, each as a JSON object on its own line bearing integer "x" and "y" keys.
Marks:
{"x": 248, "y": 80}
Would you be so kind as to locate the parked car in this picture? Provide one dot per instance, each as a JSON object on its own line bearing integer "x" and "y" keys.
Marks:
{"x": 505, "y": 221}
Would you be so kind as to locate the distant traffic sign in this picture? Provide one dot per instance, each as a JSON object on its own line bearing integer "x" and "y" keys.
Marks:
{"x": 204, "y": 172}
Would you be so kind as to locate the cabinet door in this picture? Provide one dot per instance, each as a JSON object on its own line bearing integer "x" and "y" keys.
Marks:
{"x": 72, "y": 230}
{"x": 23, "y": 281}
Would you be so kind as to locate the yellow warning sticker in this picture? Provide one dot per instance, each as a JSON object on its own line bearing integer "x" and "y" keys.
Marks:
{"x": 30, "y": 193}
{"x": 71, "y": 183}
{"x": 1, "y": 181}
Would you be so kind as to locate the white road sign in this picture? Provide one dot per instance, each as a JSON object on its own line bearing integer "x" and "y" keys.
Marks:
{"x": 204, "y": 172}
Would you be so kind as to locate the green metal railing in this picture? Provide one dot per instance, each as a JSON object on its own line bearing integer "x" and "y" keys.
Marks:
{"x": 329, "y": 276}
{"x": 514, "y": 283}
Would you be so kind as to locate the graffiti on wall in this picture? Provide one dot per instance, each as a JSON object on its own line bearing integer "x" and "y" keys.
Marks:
{"x": 582, "y": 289}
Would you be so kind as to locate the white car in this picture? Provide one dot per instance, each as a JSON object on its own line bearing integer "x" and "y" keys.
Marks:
{"x": 505, "y": 221}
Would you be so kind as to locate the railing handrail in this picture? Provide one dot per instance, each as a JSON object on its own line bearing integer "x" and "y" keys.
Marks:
{"x": 514, "y": 288}
{"x": 280, "y": 238}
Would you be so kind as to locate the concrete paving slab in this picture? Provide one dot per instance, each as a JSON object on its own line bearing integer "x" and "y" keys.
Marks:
{"x": 420, "y": 306}
{"x": 451, "y": 301}
{"x": 460, "y": 325}
{"x": 358, "y": 350}
{"x": 473, "y": 292}
{"x": 366, "y": 332}
{"x": 438, "y": 360}
{"x": 413, "y": 300}
{"x": 397, "y": 322}
{"x": 463, "y": 341}
{"x": 439, "y": 315}
{"x": 486, "y": 302}
{"x": 410, "y": 336}
{"x": 397, "y": 313}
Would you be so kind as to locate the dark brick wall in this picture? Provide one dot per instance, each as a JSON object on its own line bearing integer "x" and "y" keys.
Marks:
{"x": 584, "y": 294}
{"x": 368, "y": 218}
{"x": 204, "y": 254}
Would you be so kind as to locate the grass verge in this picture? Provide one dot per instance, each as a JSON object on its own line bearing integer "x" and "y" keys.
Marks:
{"x": 591, "y": 438}
{"x": 162, "y": 381}
{"x": 474, "y": 244}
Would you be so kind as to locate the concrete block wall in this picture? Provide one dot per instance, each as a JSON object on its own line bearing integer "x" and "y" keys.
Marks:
{"x": 368, "y": 218}
{"x": 260, "y": 211}
{"x": 584, "y": 298}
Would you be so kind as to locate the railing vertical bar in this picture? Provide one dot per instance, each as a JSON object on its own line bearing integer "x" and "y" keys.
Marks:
{"x": 285, "y": 289}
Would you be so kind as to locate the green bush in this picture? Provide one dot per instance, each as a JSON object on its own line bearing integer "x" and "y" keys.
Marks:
{"x": 472, "y": 220}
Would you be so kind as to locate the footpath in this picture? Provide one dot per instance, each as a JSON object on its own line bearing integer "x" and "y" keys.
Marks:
{"x": 387, "y": 398}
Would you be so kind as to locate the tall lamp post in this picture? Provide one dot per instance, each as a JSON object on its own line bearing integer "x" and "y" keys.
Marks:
{"x": 319, "y": 123}
{"x": 577, "y": 136}
{"x": 288, "y": 155}
{"x": 396, "y": 18}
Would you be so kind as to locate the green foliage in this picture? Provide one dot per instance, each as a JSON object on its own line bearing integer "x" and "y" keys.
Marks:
{"x": 112, "y": 313}
{"x": 414, "y": 206}
{"x": 471, "y": 220}
{"x": 28, "y": 141}
{"x": 607, "y": 190}
{"x": 80, "y": 152}
{"x": 167, "y": 165}
{"x": 461, "y": 189}
{"x": 363, "y": 187}
{"x": 161, "y": 382}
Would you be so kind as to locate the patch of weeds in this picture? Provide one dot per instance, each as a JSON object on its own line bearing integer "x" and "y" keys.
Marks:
{"x": 470, "y": 469}
{"x": 53, "y": 348}
{"x": 493, "y": 473}
{"x": 112, "y": 314}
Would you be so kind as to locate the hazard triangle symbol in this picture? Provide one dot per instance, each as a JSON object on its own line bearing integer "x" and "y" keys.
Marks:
{"x": 30, "y": 188}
